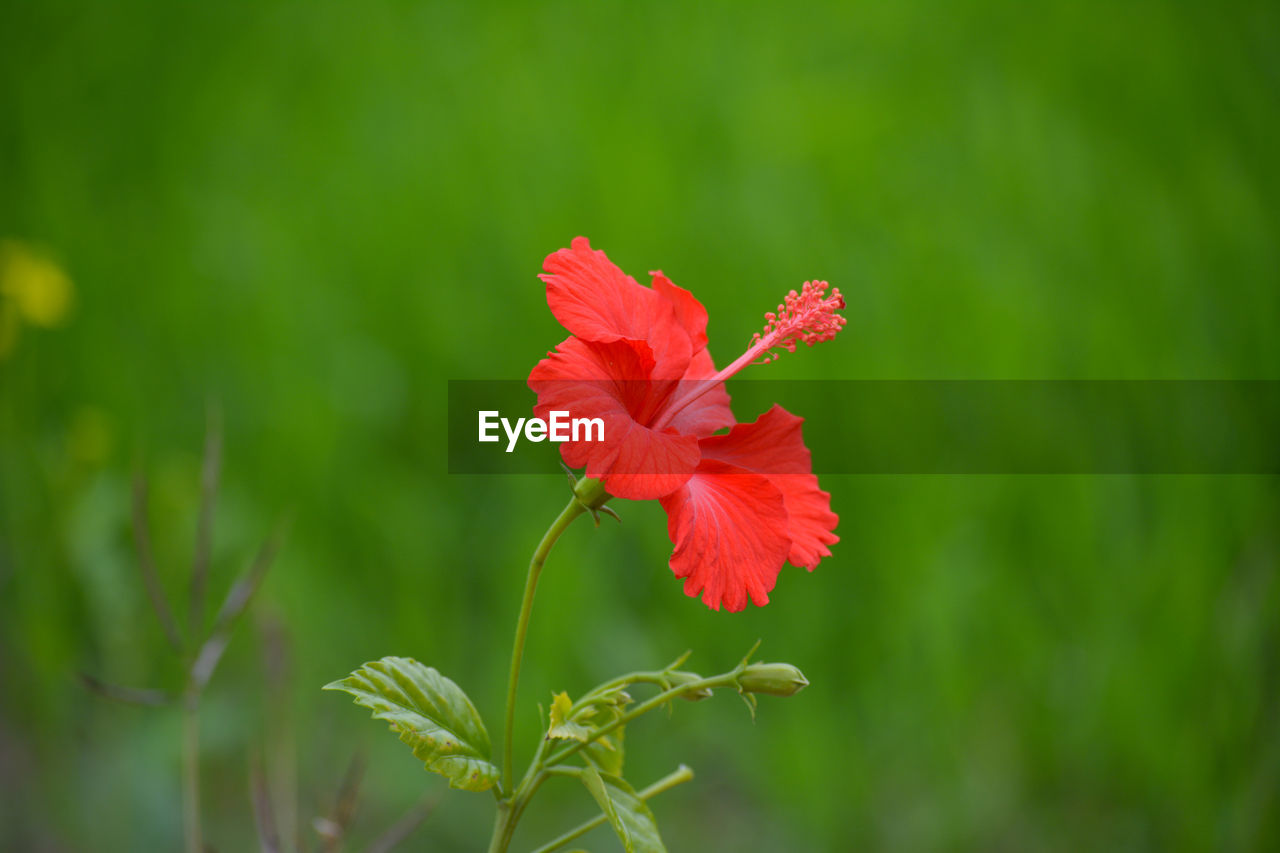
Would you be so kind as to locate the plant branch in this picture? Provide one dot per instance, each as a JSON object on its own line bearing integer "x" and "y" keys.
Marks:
{"x": 509, "y": 810}
{"x": 202, "y": 668}
{"x": 658, "y": 677}
{"x": 129, "y": 695}
{"x": 505, "y": 827}
{"x": 404, "y": 827}
{"x": 263, "y": 811}
{"x": 679, "y": 776}
{"x": 210, "y": 471}
{"x": 147, "y": 563}
{"x": 333, "y": 828}
{"x": 233, "y": 606}
{"x": 727, "y": 679}
{"x": 191, "y": 774}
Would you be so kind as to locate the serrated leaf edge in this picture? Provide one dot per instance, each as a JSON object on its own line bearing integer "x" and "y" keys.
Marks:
{"x": 484, "y": 773}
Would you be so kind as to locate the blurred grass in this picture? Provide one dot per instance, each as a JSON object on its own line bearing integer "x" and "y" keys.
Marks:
{"x": 318, "y": 213}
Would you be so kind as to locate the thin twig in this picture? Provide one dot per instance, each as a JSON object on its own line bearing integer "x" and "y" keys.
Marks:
{"x": 333, "y": 828}
{"x": 147, "y": 563}
{"x": 263, "y": 813}
{"x": 405, "y": 826}
{"x": 233, "y": 606}
{"x": 130, "y": 695}
{"x": 210, "y": 471}
{"x": 281, "y": 754}
{"x": 238, "y": 598}
{"x": 191, "y": 773}
{"x": 242, "y": 592}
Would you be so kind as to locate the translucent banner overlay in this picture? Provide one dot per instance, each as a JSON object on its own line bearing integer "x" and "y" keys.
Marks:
{"x": 936, "y": 427}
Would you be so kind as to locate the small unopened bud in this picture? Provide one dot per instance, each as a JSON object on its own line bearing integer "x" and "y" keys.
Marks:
{"x": 776, "y": 679}
{"x": 679, "y": 678}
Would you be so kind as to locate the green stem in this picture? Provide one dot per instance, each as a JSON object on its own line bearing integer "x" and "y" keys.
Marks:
{"x": 502, "y": 827}
{"x": 727, "y": 679}
{"x": 574, "y": 509}
{"x": 666, "y": 783}
{"x": 191, "y": 774}
{"x": 519, "y": 803}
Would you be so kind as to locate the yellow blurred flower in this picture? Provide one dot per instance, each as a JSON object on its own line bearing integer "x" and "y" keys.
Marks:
{"x": 8, "y": 328}
{"x": 37, "y": 288}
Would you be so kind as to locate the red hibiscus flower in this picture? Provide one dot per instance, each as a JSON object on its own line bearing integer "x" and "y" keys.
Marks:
{"x": 739, "y": 504}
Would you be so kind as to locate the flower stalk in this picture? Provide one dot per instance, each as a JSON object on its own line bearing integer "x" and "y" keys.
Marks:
{"x": 574, "y": 509}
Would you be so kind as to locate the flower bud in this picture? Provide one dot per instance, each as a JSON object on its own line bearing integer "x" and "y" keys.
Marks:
{"x": 679, "y": 678}
{"x": 776, "y": 679}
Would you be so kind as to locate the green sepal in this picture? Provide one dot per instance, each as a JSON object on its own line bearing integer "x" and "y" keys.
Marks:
{"x": 431, "y": 714}
{"x": 627, "y": 813}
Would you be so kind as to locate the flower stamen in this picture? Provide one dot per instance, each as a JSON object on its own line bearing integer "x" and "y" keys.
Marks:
{"x": 808, "y": 316}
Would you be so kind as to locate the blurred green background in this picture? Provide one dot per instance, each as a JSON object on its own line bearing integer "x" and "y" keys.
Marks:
{"x": 317, "y": 214}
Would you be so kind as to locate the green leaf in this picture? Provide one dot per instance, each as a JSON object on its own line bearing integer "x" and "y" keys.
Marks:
{"x": 561, "y": 725}
{"x": 627, "y": 813}
{"x": 579, "y": 722}
{"x": 431, "y": 714}
{"x": 606, "y": 753}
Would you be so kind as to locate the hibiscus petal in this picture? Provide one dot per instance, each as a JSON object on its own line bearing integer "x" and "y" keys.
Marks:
{"x": 648, "y": 464}
{"x": 729, "y": 528}
{"x": 597, "y": 301}
{"x": 688, "y": 310}
{"x": 710, "y": 411}
{"x": 773, "y": 446}
{"x": 589, "y": 379}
